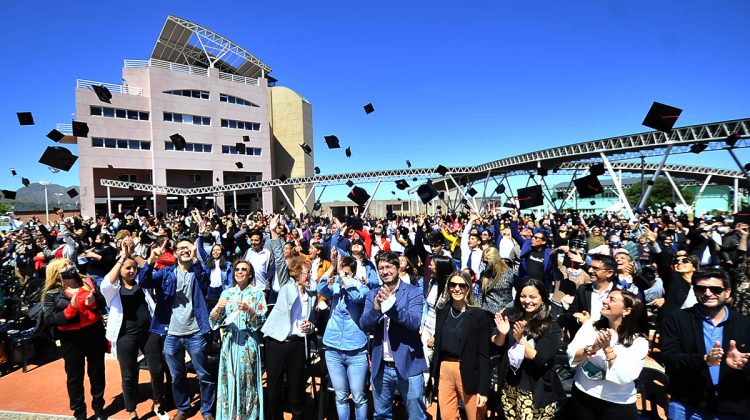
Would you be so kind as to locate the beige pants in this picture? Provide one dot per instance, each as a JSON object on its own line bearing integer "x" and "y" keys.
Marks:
{"x": 450, "y": 390}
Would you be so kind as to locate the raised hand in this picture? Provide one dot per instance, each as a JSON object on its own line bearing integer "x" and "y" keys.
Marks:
{"x": 90, "y": 299}
{"x": 501, "y": 322}
{"x": 735, "y": 358}
{"x": 518, "y": 332}
{"x": 715, "y": 354}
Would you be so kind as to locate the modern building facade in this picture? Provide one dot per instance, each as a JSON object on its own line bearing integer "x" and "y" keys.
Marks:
{"x": 215, "y": 95}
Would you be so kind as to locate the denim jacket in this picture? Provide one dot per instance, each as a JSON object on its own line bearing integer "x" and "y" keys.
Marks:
{"x": 164, "y": 283}
{"x": 347, "y": 303}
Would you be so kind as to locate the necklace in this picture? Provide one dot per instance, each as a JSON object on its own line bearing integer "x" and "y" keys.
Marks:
{"x": 456, "y": 316}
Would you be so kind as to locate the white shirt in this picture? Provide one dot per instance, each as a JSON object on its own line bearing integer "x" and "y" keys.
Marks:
{"x": 314, "y": 270}
{"x": 597, "y": 301}
{"x": 690, "y": 300}
{"x": 299, "y": 307}
{"x": 262, "y": 264}
{"x": 387, "y": 356}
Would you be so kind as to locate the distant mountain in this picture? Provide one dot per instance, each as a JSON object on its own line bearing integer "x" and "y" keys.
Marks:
{"x": 31, "y": 198}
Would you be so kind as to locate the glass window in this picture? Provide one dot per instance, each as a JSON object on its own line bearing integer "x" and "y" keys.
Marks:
{"x": 224, "y": 123}
{"x": 97, "y": 142}
{"x": 134, "y": 144}
{"x": 167, "y": 116}
{"x": 206, "y": 120}
{"x": 143, "y": 115}
{"x": 222, "y": 97}
{"x": 124, "y": 178}
{"x": 96, "y": 110}
{"x": 204, "y": 94}
{"x": 109, "y": 112}
{"x": 132, "y": 115}
{"x": 122, "y": 144}
{"x": 207, "y": 148}
{"x": 110, "y": 143}
{"x": 187, "y": 119}
{"x": 120, "y": 113}
{"x": 225, "y": 149}
{"x": 177, "y": 118}
{"x": 168, "y": 145}
{"x": 232, "y": 124}
{"x": 145, "y": 145}
{"x": 188, "y": 147}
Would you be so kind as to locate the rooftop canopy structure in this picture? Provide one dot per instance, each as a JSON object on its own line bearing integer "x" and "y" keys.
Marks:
{"x": 185, "y": 42}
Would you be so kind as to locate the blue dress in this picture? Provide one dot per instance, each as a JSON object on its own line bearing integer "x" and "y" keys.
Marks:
{"x": 240, "y": 388}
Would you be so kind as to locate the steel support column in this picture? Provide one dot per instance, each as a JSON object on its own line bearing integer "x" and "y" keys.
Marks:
{"x": 654, "y": 177}
{"x": 618, "y": 186}
{"x": 676, "y": 189}
{"x": 109, "y": 201}
{"x": 372, "y": 197}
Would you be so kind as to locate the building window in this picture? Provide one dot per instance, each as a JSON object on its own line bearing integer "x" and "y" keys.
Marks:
{"x": 128, "y": 178}
{"x": 187, "y": 119}
{"x": 223, "y": 97}
{"x": 120, "y": 143}
{"x": 231, "y": 150}
{"x": 190, "y": 147}
{"x": 194, "y": 178}
{"x": 251, "y": 178}
{"x": 241, "y": 125}
{"x": 130, "y": 114}
{"x": 190, "y": 93}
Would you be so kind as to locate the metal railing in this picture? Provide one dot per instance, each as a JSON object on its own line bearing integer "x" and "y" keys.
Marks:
{"x": 180, "y": 68}
{"x": 65, "y": 128}
{"x": 123, "y": 89}
{"x": 238, "y": 79}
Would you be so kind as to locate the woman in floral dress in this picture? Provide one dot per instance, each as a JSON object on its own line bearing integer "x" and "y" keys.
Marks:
{"x": 242, "y": 309}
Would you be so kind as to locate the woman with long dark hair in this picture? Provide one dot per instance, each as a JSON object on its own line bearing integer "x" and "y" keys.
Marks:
{"x": 608, "y": 355}
{"x": 532, "y": 387}
{"x": 496, "y": 282}
{"x": 441, "y": 267}
{"x": 407, "y": 272}
{"x": 220, "y": 268}
{"x": 74, "y": 309}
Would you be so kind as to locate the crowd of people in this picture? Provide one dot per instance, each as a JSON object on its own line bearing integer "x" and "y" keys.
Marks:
{"x": 426, "y": 305}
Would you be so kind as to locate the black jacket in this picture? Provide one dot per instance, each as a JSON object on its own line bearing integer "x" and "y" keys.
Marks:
{"x": 676, "y": 289}
{"x": 682, "y": 352}
{"x": 475, "y": 350}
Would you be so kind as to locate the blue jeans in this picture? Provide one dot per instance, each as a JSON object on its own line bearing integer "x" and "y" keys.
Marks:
{"x": 174, "y": 353}
{"x": 678, "y": 411}
{"x": 348, "y": 370}
{"x": 384, "y": 385}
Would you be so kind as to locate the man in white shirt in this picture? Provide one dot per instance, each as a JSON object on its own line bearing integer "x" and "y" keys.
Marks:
{"x": 262, "y": 261}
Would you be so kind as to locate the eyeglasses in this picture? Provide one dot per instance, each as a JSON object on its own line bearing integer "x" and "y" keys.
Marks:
{"x": 541, "y": 238}
{"x": 598, "y": 268}
{"x": 181, "y": 248}
{"x": 682, "y": 260}
{"x": 241, "y": 269}
{"x": 715, "y": 290}
{"x": 463, "y": 286}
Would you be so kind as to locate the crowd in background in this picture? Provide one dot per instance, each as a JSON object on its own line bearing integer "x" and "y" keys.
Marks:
{"x": 427, "y": 304}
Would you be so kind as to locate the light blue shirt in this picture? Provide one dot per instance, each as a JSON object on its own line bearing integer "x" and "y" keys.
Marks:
{"x": 711, "y": 334}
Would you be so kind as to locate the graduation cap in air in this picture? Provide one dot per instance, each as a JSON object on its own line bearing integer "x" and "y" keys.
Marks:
{"x": 110, "y": 166}
{"x": 698, "y": 147}
{"x": 25, "y": 182}
{"x": 561, "y": 195}
{"x": 306, "y": 148}
{"x": 500, "y": 189}
{"x": 55, "y": 136}
{"x": 662, "y": 117}
{"x": 317, "y": 171}
{"x": 282, "y": 178}
{"x": 178, "y": 141}
{"x": 650, "y": 182}
{"x": 349, "y": 183}
{"x": 592, "y": 202}
{"x": 393, "y": 192}
{"x": 13, "y": 171}
{"x": 747, "y": 166}
{"x": 58, "y": 157}
{"x": 408, "y": 164}
{"x": 414, "y": 179}
{"x": 401, "y": 184}
{"x": 25, "y": 118}
{"x": 240, "y": 148}
{"x": 742, "y": 216}
{"x": 588, "y": 186}
{"x": 131, "y": 188}
{"x": 472, "y": 192}
{"x": 541, "y": 171}
{"x": 732, "y": 139}
{"x": 530, "y": 197}
{"x": 72, "y": 193}
{"x": 441, "y": 194}
{"x": 442, "y": 170}
{"x": 359, "y": 195}
{"x": 317, "y": 206}
{"x": 426, "y": 192}
{"x": 596, "y": 169}
{"x": 332, "y": 142}
{"x": 80, "y": 129}
{"x": 348, "y": 152}
{"x": 465, "y": 202}
{"x": 102, "y": 93}
{"x": 10, "y": 195}
{"x": 239, "y": 165}
{"x": 246, "y": 138}
{"x": 369, "y": 109}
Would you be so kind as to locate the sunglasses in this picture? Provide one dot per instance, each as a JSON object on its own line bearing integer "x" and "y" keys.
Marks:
{"x": 463, "y": 286}
{"x": 681, "y": 260}
{"x": 715, "y": 290}
{"x": 241, "y": 269}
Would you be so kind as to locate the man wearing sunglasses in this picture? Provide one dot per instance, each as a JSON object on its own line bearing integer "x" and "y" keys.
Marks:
{"x": 705, "y": 352}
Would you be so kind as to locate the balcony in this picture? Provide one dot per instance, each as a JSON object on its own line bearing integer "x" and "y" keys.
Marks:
{"x": 184, "y": 68}
{"x": 66, "y": 129}
{"x": 122, "y": 89}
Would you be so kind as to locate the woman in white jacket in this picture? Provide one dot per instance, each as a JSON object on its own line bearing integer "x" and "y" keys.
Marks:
{"x": 130, "y": 312}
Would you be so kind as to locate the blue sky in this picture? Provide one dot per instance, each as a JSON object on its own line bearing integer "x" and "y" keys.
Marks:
{"x": 456, "y": 83}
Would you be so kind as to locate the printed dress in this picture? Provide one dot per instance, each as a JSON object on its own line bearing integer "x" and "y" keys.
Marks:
{"x": 240, "y": 389}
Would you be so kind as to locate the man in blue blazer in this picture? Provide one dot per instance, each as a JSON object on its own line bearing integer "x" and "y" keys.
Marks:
{"x": 393, "y": 314}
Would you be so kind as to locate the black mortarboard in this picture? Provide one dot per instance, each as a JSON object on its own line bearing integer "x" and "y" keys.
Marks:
{"x": 661, "y": 117}
{"x": 732, "y": 139}
{"x": 393, "y": 192}
{"x": 401, "y": 184}
{"x": 408, "y": 164}
{"x": 441, "y": 194}
{"x": 369, "y": 109}
{"x": 282, "y": 178}
{"x": 426, "y": 192}
{"x": 349, "y": 183}
{"x": 359, "y": 195}
{"x": 588, "y": 186}
{"x": 464, "y": 201}
{"x": 102, "y": 93}
{"x": 530, "y": 197}
{"x": 25, "y": 118}
{"x": 698, "y": 147}
{"x": 561, "y": 195}
{"x": 332, "y": 142}
{"x": 72, "y": 193}
{"x": 58, "y": 157}
{"x": 348, "y": 152}
{"x": 239, "y": 165}
{"x": 472, "y": 192}
{"x": 13, "y": 171}
{"x": 25, "y": 182}
{"x": 10, "y": 195}
{"x": 178, "y": 141}
{"x": 596, "y": 169}
{"x": 217, "y": 179}
{"x": 80, "y": 129}
{"x": 245, "y": 138}
{"x": 55, "y": 209}
{"x": 306, "y": 148}
{"x": 649, "y": 182}
{"x": 592, "y": 202}
{"x": 317, "y": 171}
{"x": 742, "y": 216}
{"x": 541, "y": 171}
{"x": 500, "y": 189}
{"x": 414, "y": 179}
{"x": 240, "y": 148}
{"x": 442, "y": 170}
{"x": 55, "y": 136}
{"x": 131, "y": 188}
{"x": 509, "y": 205}
{"x": 317, "y": 206}
{"x": 110, "y": 167}
{"x": 747, "y": 166}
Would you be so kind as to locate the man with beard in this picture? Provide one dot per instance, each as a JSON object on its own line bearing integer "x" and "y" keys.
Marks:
{"x": 393, "y": 314}
{"x": 705, "y": 352}
{"x": 263, "y": 263}
{"x": 182, "y": 315}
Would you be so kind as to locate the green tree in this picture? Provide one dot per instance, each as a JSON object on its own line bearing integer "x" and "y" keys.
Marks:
{"x": 5, "y": 208}
{"x": 661, "y": 195}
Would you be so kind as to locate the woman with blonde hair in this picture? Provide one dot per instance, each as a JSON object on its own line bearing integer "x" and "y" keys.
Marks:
{"x": 73, "y": 307}
{"x": 496, "y": 287}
